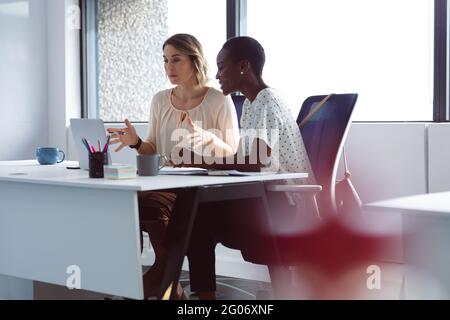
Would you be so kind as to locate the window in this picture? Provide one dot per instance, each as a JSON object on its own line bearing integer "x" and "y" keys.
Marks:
{"x": 206, "y": 20}
{"x": 380, "y": 49}
{"x": 128, "y": 50}
{"x": 383, "y": 50}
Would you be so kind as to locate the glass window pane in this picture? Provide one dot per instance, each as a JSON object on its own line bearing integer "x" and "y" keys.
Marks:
{"x": 207, "y": 21}
{"x": 381, "y": 49}
{"x": 130, "y": 36}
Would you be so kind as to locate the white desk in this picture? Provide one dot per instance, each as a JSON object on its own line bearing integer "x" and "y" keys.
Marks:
{"x": 426, "y": 232}
{"x": 52, "y": 218}
{"x": 435, "y": 204}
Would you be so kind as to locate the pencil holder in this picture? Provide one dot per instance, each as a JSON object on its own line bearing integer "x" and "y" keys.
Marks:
{"x": 96, "y": 161}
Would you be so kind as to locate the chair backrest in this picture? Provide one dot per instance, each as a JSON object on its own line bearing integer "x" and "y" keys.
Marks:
{"x": 324, "y": 137}
{"x": 238, "y": 102}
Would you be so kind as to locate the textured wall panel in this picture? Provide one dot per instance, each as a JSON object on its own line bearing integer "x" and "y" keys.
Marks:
{"x": 130, "y": 38}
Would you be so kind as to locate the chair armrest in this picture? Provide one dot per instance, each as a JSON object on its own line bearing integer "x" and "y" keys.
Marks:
{"x": 300, "y": 188}
{"x": 309, "y": 209}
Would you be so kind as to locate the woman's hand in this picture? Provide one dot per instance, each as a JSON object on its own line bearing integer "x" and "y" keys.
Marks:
{"x": 125, "y": 136}
{"x": 199, "y": 139}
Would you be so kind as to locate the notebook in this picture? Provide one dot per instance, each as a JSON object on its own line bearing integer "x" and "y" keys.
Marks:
{"x": 91, "y": 129}
{"x": 237, "y": 173}
{"x": 184, "y": 171}
{"x": 120, "y": 171}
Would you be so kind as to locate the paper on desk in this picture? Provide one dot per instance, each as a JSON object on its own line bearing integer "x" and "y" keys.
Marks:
{"x": 239, "y": 173}
{"x": 183, "y": 171}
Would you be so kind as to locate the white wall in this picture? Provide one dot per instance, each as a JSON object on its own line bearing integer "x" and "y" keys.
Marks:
{"x": 387, "y": 159}
{"x": 23, "y": 78}
{"x": 439, "y": 157}
{"x": 63, "y": 71}
{"x": 39, "y": 75}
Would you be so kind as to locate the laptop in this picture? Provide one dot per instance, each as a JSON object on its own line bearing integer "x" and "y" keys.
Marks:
{"x": 91, "y": 129}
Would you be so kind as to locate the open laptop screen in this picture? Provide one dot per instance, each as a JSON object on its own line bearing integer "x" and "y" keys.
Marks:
{"x": 91, "y": 129}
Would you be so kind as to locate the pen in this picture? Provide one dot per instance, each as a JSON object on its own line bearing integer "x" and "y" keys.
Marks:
{"x": 86, "y": 144}
{"x": 117, "y": 131}
{"x": 91, "y": 147}
{"x": 105, "y": 148}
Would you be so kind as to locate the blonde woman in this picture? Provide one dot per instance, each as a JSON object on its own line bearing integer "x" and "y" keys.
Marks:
{"x": 189, "y": 107}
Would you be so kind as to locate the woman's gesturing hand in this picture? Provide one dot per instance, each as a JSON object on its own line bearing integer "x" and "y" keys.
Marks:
{"x": 125, "y": 136}
{"x": 199, "y": 138}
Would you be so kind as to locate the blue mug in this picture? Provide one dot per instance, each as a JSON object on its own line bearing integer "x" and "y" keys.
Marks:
{"x": 49, "y": 155}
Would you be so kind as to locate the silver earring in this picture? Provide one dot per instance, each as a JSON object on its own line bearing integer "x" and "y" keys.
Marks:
{"x": 242, "y": 72}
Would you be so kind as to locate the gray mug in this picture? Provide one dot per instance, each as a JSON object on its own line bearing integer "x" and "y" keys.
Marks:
{"x": 149, "y": 164}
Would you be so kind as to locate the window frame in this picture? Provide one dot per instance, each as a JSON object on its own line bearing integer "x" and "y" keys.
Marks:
{"x": 441, "y": 66}
{"x": 89, "y": 58}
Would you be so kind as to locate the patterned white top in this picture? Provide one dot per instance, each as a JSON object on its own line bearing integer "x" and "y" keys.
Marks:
{"x": 275, "y": 125}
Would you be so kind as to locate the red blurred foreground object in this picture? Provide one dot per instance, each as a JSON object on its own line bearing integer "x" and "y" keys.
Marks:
{"x": 334, "y": 260}
{"x": 334, "y": 247}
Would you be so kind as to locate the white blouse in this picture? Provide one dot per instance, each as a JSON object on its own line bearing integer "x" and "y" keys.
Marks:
{"x": 216, "y": 113}
{"x": 275, "y": 125}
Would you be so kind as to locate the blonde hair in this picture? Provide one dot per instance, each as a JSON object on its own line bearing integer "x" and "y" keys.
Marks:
{"x": 189, "y": 45}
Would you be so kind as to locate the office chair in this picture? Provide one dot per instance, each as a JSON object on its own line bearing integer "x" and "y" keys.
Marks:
{"x": 324, "y": 136}
{"x": 238, "y": 101}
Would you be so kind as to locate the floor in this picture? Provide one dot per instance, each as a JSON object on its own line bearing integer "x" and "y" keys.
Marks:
{"x": 227, "y": 289}
{"x": 395, "y": 283}
{"x": 233, "y": 288}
